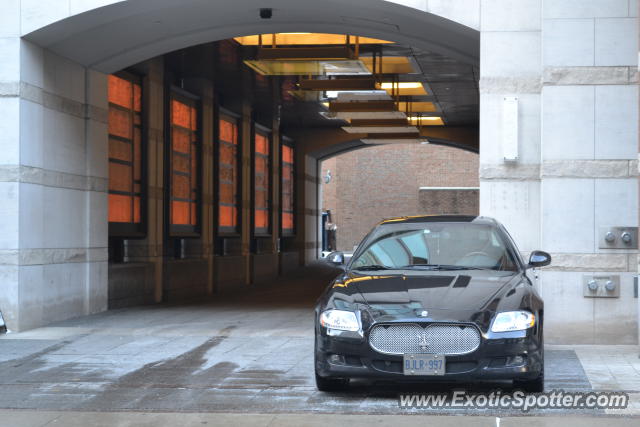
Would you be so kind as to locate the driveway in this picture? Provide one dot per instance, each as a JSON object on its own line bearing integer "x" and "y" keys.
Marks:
{"x": 249, "y": 352}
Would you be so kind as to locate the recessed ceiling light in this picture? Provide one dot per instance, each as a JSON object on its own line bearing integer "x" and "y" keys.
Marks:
{"x": 336, "y": 93}
{"x": 432, "y": 118}
{"x": 401, "y": 85}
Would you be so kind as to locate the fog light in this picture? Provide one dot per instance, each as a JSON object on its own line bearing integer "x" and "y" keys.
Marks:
{"x": 336, "y": 359}
{"x": 515, "y": 361}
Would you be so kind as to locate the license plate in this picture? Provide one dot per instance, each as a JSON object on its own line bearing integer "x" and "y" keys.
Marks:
{"x": 423, "y": 364}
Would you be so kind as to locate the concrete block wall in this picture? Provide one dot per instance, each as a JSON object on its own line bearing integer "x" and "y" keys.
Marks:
{"x": 453, "y": 201}
{"x": 572, "y": 66}
{"x": 131, "y": 284}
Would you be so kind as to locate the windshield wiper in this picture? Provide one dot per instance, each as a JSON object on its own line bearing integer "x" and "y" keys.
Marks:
{"x": 442, "y": 267}
{"x": 372, "y": 267}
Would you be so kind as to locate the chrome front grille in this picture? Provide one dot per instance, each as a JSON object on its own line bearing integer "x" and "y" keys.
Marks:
{"x": 435, "y": 338}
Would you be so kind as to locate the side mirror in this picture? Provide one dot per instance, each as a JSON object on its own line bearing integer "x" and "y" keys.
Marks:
{"x": 336, "y": 258}
{"x": 539, "y": 259}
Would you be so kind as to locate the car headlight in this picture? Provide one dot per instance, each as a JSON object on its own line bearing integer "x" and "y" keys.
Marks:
{"x": 339, "y": 319}
{"x": 513, "y": 321}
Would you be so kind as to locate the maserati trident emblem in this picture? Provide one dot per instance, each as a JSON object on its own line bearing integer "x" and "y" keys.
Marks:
{"x": 422, "y": 341}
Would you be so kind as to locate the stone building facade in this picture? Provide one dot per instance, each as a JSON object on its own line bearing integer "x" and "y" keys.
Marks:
{"x": 557, "y": 83}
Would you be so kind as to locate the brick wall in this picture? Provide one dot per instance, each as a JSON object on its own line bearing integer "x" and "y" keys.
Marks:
{"x": 435, "y": 201}
{"x": 378, "y": 182}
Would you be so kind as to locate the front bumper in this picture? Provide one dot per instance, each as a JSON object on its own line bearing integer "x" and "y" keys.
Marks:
{"x": 492, "y": 360}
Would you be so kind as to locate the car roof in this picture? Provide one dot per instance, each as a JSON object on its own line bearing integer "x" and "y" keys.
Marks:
{"x": 439, "y": 218}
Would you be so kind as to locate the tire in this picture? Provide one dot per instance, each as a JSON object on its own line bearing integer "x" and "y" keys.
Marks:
{"x": 331, "y": 384}
{"x": 531, "y": 386}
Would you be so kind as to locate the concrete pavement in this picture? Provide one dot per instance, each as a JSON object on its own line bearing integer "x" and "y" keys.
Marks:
{"x": 247, "y": 353}
{"x": 12, "y": 418}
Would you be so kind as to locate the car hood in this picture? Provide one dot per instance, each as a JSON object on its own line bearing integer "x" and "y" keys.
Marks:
{"x": 468, "y": 296}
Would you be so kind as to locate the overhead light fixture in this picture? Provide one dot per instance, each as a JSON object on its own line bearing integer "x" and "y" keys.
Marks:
{"x": 381, "y": 129}
{"x": 390, "y": 64}
{"x": 309, "y": 39}
{"x": 336, "y": 93}
{"x": 426, "y": 120}
{"x": 400, "y": 85}
{"x": 363, "y": 106}
{"x": 403, "y": 88}
{"x": 308, "y": 67}
{"x": 338, "y": 84}
{"x": 274, "y": 59}
{"x": 417, "y": 107}
{"x": 362, "y": 115}
{"x": 383, "y": 122}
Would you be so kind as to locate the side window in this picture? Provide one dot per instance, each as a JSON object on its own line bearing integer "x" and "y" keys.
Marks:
{"x": 125, "y": 155}
{"x": 287, "y": 186}
{"x": 184, "y": 146}
{"x": 228, "y": 174}
{"x": 262, "y": 183}
{"x": 417, "y": 246}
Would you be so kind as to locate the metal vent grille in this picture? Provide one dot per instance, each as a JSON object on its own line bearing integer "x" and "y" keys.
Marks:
{"x": 445, "y": 339}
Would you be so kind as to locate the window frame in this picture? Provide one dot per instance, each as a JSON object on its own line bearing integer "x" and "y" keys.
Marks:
{"x": 221, "y": 231}
{"x": 265, "y": 131}
{"x": 181, "y": 230}
{"x": 132, "y": 230}
{"x": 287, "y": 232}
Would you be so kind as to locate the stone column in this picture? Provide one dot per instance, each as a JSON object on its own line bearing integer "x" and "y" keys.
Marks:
{"x": 53, "y": 185}
{"x": 589, "y": 165}
{"x": 510, "y": 67}
{"x": 245, "y": 173}
{"x": 146, "y": 254}
{"x": 636, "y": 72}
{"x": 155, "y": 172}
{"x": 275, "y": 167}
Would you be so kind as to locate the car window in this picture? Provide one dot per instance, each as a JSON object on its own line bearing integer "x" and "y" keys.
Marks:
{"x": 453, "y": 244}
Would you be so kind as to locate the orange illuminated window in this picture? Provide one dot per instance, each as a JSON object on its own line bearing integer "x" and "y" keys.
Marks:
{"x": 184, "y": 146}
{"x": 261, "y": 183}
{"x": 287, "y": 188}
{"x": 228, "y": 174}
{"x": 125, "y": 154}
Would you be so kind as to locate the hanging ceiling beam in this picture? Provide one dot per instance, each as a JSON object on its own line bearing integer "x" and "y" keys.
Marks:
{"x": 364, "y": 106}
{"x": 403, "y": 135}
{"x": 379, "y": 122}
{"x": 316, "y": 53}
{"x": 338, "y": 84}
{"x": 395, "y": 130}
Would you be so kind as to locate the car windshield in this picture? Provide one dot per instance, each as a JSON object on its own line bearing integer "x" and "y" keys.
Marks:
{"x": 434, "y": 246}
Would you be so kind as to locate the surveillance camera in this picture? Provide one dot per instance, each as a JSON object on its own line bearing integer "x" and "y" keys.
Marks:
{"x": 265, "y": 13}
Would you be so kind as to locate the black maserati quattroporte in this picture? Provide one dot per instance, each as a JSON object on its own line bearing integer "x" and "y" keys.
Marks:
{"x": 432, "y": 298}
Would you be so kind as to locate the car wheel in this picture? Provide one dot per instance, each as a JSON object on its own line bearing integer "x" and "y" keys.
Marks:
{"x": 331, "y": 384}
{"x": 531, "y": 386}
